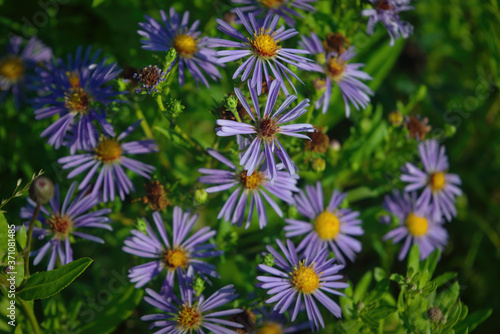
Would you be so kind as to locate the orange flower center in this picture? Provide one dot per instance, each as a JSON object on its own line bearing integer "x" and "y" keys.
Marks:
{"x": 265, "y": 44}
{"x": 61, "y": 225}
{"x": 175, "y": 258}
{"x": 185, "y": 45}
{"x": 253, "y": 181}
{"x": 76, "y": 100}
{"x": 12, "y": 68}
{"x": 267, "y": 129}
{"x": 272, "y": 4}
{"x": 189, "y": 318}
{"x": 108, "y": 150}
{"x": 305, "y": 278}
{"x": 335, "y": 68}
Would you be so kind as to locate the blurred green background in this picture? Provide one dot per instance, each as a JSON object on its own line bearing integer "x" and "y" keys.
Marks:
{"x": 454, "y": 53}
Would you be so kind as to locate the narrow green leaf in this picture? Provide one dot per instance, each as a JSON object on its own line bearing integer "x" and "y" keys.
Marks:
{"x": 21, "y": 237}
{"x": 4, "y": 227}
{"x": 377, "y": 292}
{"x": 96, "y": 3}
{"x": 413, "y": 258}
{"x": 382, "y": 312}
{"x": 444, "y": 278}
{"x": 48, "y": 283}
{"x": 473, "y": 320}
{"x": 362, "y": 286}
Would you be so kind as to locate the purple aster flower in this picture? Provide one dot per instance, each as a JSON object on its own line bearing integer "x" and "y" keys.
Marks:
{"x": 63, "y": 221}
{"x": 284, "y": 8}
{"x": 191, "y": 314}
{"x": 192, "y": 51}
{"x": 18, "y": 63}
{"x": 274, "y": 322}
{"x": 387, "y": 12}
{"x": 440, "y": 187}
{"x": 417, "y": 223}
{"x": 76, "y": 91}
{"x": 149, "y": 78}
{"x": 185, "y": 253}
{"x": 328, "y": 226}
{"x": 264, "y": 134}
{"x": 336, "y": 69}
{"x": 253, "y": 187}
{"x": 108, "y": 157}
{"x": 307, "y": 280}
{"x": 263, "y": 50}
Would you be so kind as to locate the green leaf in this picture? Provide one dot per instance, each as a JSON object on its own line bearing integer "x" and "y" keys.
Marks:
{"x": 400, "y": 279}
{"x": 382, "y": 312}
{"x": 444, "y": 278}
{"x": 21, "y": 237}
{"x": 362, "y": 286}
{"x": 96, "y": 3}
{"x": 377, "y": 292}
{"x": 4, "y": 227}
{"x": 473, "y": 320}
{"x": 48, "y": 283}
{"x": 413, "y": 258}
{"x": 119, "y": 309}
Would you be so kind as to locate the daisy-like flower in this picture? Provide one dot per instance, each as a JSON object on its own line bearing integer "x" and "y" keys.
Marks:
{"x": 387, "y": 12}
{"x": 18, "y": 63}
{"x": 417, "y": 223}
{"x": 191, "y": 314}
{"x": 193, "y": 52}
{"x": 272, "y": 322}
{"x": 268, "y": 125}
{"x": 263, "y": 50}
{"x": 76, "y": 90}
{"x": 337, "y": 70}
{"x": 284, "y": 8}
{"x": 306, "y": 280}
{"x": 107, "y": 159}
{"x": 328, "y": 226}
{"x": 254, "y": 187}
{"x": 440, "y": 187}
{"x": 185, "y": 253}
{"x": 63, "y": 221}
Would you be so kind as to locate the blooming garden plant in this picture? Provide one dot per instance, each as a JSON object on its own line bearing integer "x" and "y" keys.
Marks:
{"x": 249, "y": 167}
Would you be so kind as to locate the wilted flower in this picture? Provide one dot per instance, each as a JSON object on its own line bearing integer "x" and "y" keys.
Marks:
{"x": 263, "y": 50}
{"x": 306, "y": 280}
{"x": 440, "y": 187}
{"x": 337, "y": 69}
{"x": 17, "y": 65}
{"x": 328, "y": 226}
{"x": 76, "y": 91}
{"x": 387, "y": 12}
{"x": 149, "y": 77}
{"x": 417, "y": 223}
{"x": 106, "y": 159}
{"x": 418, "y": 127}
{"x": 264, "y": 134}
{"x": 193, "y": 53}
{"x": 63, "y": 221}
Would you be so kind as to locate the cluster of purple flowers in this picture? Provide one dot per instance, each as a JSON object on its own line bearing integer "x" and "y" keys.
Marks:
{"x": 420, "y": 218}
{"x": 78, "y": 92}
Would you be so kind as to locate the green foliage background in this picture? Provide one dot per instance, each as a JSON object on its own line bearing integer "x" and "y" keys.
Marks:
{"x": 454, "y": 54}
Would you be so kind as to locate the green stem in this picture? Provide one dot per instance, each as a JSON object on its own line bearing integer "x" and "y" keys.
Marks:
{"x": 28, "y": 247}
{"x": 144, "y": 123}
{"x": 28, "y": 311}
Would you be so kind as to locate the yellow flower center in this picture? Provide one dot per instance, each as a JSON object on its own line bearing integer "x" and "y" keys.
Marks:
{"x": 335, "y": 68}
{"x": 327, "y": 225}
{"x": 12, "y": 68}
{"x": 60, "y": 225}
{"x": 175, "y": 258}
{"x": 76, "y": 100}
{"x": 185, "y": 45}
{"x": 108, "y": 150}
{"x": 437, "y": 181}
{"x": 253, "y": 181}
{"x": 189, "y": 318}
{"x": 305, "y": 278}
{"x": 272, "y": 3}
{"x": 416, "y": 225}
{"x": 270, "y": 328}
{"x": 265, "y": 45}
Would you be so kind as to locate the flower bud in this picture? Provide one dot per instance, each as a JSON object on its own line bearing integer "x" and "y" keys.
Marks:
{"x": 200, "y": 196}
{"x": 396, "y": 118}
{"x": 41, "y": 190}
{"x": 318, "y": 165}
{"x": 434, "y": 314}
